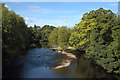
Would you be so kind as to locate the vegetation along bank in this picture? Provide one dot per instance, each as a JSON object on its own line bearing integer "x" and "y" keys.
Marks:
{"x": 96, "y": 34}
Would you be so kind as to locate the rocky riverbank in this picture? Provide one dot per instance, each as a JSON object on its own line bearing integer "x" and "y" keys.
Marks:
{"x": 67, "y": 61}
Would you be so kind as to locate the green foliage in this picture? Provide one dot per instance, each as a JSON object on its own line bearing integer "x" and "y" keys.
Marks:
{"x": 45, "y": 33}
{"x": 53, "y": 38}
{"x": 14, "y": 35}
{"x": 98, "y": 34}
{"x": 80, "y": 38}
{"x": 35, "y": 36}
{"x": 39, "y": 36}
{"x": 63, "y": 37}
{"x": 103, "y": 41}
{"x": 59, "y": 37}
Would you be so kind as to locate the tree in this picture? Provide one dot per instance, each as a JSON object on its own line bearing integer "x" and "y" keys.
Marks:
{"x": 14, "y": 33}
{"x": 53, "y": 38}
{"x": 80, "y": 38}
{"x": 103, "y": 41}
{"x": 97, "y": 34}
{"x": 45, "y": 33}
{"x": 35, "y": 36}
{"x": 63, "y": 37}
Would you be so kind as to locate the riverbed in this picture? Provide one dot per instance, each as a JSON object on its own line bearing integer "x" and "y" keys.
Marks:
{"x": 46, "y": 63}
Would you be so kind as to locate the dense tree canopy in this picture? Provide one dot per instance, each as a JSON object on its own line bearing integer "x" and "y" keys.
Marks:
{"x": 14, "y": 34}
{"x": 59, "y": 37}
{"x": 80, "y": 37}
{"x": 103, "y": 47}
{"x": 35, "y": 36}
{"x": 45, "y": 33}
{"x": 97, "y": 34}
{"x": 53, "y": 38}
{"x": 63, "y": 37}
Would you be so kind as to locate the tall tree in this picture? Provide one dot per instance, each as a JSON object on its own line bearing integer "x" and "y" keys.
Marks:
{"x": 63, "y": 37}
{"x": 14, "y": 33}
{"x": 53, "y": 38}
{"x": 35, "y": 34}
{"x": 103, "y": 46}
{"x": 45, "y": 32}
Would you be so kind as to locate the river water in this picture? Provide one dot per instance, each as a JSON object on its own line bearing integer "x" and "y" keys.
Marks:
{"x": 39, "y": 63}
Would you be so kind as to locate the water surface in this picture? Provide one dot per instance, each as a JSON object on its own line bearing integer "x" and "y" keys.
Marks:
{"x": 39, "y": 63}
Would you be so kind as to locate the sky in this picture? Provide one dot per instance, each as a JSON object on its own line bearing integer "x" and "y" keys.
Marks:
{"x": 56, "y": 13}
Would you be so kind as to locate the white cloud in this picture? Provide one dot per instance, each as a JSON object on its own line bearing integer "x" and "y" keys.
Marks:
{"x": 36, "y": 7}
{"x": 7, "y": 7}
{"x": 27, "y": 19}
{"x": 113, "y": 4}
{"x": 69, "y": 21}
{"x": 65, "y": 20}
{"x": 55, "y": 22}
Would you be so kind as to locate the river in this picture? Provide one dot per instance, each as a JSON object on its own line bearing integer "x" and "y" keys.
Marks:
{"x": 42, "y": 63}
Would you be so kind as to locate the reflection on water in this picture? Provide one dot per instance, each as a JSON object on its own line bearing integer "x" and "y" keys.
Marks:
{"x": 82, "y": 68}
{"x": 45, "y": 63}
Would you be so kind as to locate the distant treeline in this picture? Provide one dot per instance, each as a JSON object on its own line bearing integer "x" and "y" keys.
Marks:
{"x": 96, "y": 34}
